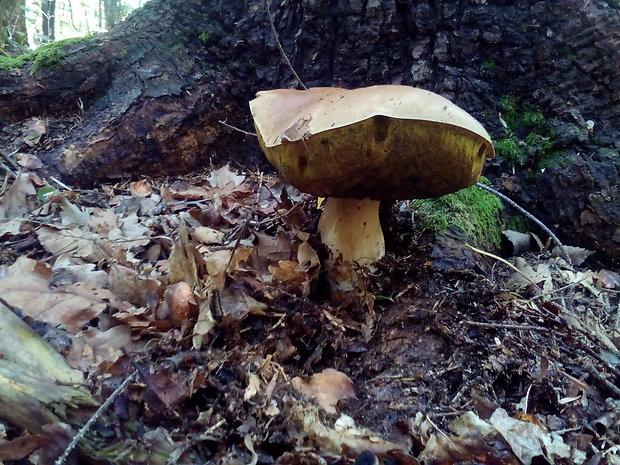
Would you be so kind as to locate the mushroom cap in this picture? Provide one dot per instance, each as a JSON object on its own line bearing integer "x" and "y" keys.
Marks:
{"x": 379, "y": 142}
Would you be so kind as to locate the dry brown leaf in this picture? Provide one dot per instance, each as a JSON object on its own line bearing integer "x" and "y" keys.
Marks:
{"x": 35, "y": 128}
{"x": 206, "y": 235}
{"x": 181, "y": 190}
{"x": 527, "y": 440}
{"x": 327, "y": 388}
{"x": 93, "y": 346}
{"x": 103, "y": 221}
{"x": 252, "y": 388}
{"x": 224, "y": 176}
{"x": 332, "y": 440}
{"x": 14, "y": 204}
{"x": 205, "y": 322}
{"x": 129, "y": 286}
{"x": 72, "y": 306}
{"x": 236, "y": 303}
{"x": 71, "y": 213}
{"x": 75, "y": 242}
{"x": 288, "y": 272}
{"x": 66, "y": 271}
{"x": 186, "y": 264}
{"x": 28, "y": 161}
{"x": 140, "y": 188}
{"x": 608, "y": 279}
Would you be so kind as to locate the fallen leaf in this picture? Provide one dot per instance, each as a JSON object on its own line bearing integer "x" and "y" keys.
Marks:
{"x": 578, "y": 255}
{"x": 327, "y": 388}
{"x": 28, "y": 161}
{"x": 72, "y": 306}
{"x": 527, "y": 440}
{"x": 140, "y": 188}
{"x": 252, "y": 388}
{"x": 207, "y": 235}
{"x": 34, "y": 130}
{"x": 236, "y": 303}
{"x": 223, "y": 176}
{"x": 14, "y": 204}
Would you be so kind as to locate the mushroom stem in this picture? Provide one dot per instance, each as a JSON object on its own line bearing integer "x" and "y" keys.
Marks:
{"x": 351, "y": 230}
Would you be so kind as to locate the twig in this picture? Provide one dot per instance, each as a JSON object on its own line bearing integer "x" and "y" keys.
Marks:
{"x": 92, "y": 420}
{"x": 601, "y": 379}
{"x": 506, "y": 326}
{"x": 506, "y": 262}
{"x": 529, "y": 216}
{"x": 60, "y": 183}
{"x": 237, "y": 129}
{"x": 275, "y": 35}
{"x": 9, "y": 159}
{"x": 8, "y": 170}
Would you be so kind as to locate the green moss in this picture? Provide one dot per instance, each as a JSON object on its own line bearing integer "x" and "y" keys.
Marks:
{"x": 43, "y": 57}
{"x": 488, "y": 64}
{"x": 508, "y": 149}
{"x": 205, "y": 37}
{"x": 528, "y": 139}
{"x": 473, "y": 211}
{"x": 533, "y": 117}
{"x": 49, "y": 55}
{"x": 7, "y": 62}
{"x": 508, "y": 105}
{"x": 518, "y": 223}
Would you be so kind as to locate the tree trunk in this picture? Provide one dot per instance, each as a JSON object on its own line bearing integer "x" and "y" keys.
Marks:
{"x": 13, "y": 24}
{"x": 156, "y": 86}
{"x": 48, "y": 17}
{"x": 112, "y": 12}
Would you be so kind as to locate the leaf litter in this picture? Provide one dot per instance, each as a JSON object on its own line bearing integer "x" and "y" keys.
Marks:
{"x": 210, "y": 289}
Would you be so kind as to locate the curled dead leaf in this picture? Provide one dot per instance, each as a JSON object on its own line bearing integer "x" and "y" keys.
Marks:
{"x": 327, "y": 388}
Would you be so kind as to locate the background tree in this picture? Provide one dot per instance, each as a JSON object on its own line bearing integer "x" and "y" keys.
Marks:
{"x": 13, "y": 25}
{"x": 112, "y": 11}
{"x": 48, "y": 20}
{"x": 154, "y": 89}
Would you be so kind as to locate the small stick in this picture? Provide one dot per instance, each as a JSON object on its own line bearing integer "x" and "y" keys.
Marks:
{"x": 9, "y": 159}
{"x": 529, "y": 216}
{"x": 505, "y": 326}
{"x": 237, "y": 129}
{"x": 275, "y": 35}
{"x": 92, "y": 420}
{"x": 60, "y": 183}
{"x": 506, "y": 262}
{"x": 8, "y": 170}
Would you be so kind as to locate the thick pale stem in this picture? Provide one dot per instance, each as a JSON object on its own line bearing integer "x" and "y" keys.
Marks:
{"x": 351, "y": 231}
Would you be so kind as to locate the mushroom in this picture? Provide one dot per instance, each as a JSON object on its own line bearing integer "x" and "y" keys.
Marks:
{"x": 361, "y": 146}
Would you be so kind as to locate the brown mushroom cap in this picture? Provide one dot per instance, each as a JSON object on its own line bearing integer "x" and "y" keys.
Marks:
{"x": 380, "y": 142}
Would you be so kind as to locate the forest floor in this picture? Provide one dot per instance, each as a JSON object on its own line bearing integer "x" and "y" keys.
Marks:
{"x": 205, "y": 294}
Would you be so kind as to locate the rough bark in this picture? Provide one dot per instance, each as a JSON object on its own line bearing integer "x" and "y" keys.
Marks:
{"x": 155, "y": 87}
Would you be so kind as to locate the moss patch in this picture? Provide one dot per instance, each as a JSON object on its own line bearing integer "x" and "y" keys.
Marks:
{"x": 473, "y": 211}
{"x": 46, "y": 56}
{"x": 528, "y": 139}
{"x": 8, "y": 62}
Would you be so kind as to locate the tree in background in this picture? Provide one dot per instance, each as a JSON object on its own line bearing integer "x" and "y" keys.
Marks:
{"x": 112, "y": 12}
{"x": 48, "y": 17}
{"x": 13, "y": 33}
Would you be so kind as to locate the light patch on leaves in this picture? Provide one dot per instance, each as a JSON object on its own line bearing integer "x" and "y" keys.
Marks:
{"x": 326, "y": 388}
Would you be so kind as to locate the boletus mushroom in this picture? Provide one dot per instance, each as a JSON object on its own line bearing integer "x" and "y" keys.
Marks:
{"x": 358, "y": 147}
